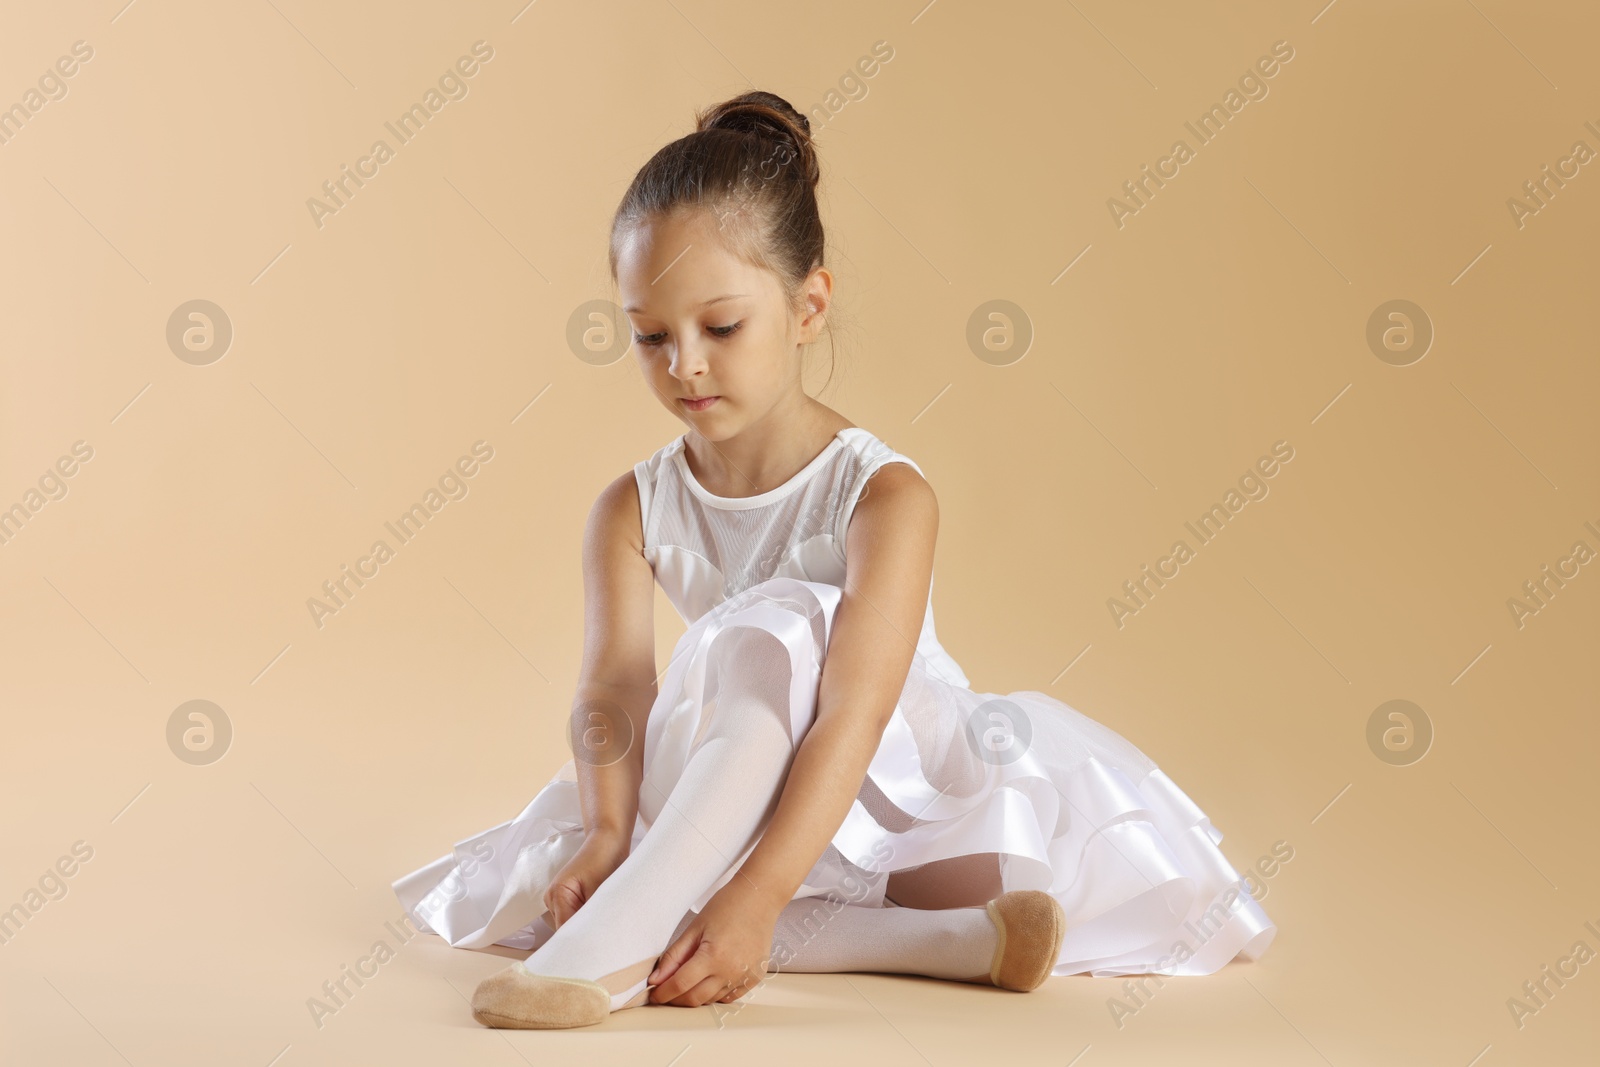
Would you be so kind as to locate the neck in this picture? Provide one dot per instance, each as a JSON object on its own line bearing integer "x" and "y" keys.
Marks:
{"x": 764, "y": 454}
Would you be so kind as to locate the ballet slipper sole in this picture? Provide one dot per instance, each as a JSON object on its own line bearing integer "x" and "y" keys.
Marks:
{"x": 516, "y": 999}
{"x": 1031, "y": 925}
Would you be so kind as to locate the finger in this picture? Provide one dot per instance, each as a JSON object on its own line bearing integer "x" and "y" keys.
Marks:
{"x": 567, "y": 894}
{"x": 685, "y": 975}
{"x": 562, "y": 900}
{"x": 743, "y": 984}
{"x": 670, "y": 960}
{"x": 703, "y": 992}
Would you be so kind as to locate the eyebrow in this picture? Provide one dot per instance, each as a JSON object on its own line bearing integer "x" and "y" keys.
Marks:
{"x": 631, "y": 308}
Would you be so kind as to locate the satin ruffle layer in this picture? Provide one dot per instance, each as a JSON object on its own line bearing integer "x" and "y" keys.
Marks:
{"x": 1072, "y": 807}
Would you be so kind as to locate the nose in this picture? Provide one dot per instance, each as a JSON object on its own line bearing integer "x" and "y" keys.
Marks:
{"x": 687, "y": 362}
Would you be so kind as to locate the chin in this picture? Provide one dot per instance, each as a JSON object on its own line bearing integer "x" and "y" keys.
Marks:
{"x": 710, "y": 429}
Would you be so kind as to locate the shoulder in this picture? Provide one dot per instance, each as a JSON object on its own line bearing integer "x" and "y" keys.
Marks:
{"x": 900, "y": 482}
{"x": 881, "y": 471}
{"x": 896, "y": 510}
{"x": 623, "y": 504}
{"x": 617, "y": 515}
{"x": 883, "y": 488}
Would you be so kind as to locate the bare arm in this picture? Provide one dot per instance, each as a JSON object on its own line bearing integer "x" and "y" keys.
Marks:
{"x": 616, "y": 686}
{"x": 888, "y": 573}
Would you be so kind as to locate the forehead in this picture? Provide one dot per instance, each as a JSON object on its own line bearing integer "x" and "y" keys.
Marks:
{"x": 682, "y": 265}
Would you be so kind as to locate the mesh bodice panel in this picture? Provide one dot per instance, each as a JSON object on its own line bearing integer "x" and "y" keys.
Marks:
{"x": 705, "y": 548}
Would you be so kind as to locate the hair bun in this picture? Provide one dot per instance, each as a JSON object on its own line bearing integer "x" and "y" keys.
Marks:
{"x": 769, "y": 116}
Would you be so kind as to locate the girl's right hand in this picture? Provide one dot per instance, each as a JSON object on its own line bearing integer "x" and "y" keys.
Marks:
{"x": 600, "y": 854}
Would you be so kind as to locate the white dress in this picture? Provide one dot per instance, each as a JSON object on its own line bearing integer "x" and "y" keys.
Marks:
{"x": 1072, "y": 807}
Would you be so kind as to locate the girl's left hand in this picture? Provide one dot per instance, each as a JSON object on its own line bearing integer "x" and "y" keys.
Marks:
{"x": 723, "y": 953}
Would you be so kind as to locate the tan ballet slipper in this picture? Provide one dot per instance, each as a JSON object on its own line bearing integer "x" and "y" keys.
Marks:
{"x": 515, "y": 998}
{"x": 1030, "y": 924}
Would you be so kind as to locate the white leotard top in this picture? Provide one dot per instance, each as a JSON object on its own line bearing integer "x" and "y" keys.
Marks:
{"x": 705, "y": 548}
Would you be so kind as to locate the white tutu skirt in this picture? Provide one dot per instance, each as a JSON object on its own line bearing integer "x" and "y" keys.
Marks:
{"x": 1070, "y": 806}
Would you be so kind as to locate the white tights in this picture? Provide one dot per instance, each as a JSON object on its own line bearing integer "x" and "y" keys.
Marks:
{"x": 953, "y": 943}
{"x": 719, "y": 807}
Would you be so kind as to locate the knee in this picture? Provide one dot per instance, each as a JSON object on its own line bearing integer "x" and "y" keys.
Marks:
{"x": 788, "y": 607}
{"x": 748, "y": 643}
{"x": 749, "y": 668}
{"x": 765, "y": 654}
{"x": 748, "y": 674}
{"x": 788, "y": 622}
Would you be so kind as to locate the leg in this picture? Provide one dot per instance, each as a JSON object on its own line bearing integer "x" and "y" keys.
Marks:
{"x": 958, "y": 882}
{"x": 719, "y": 807}
{"x": 1013, "y": 941}
{"x": 955, "y": 943}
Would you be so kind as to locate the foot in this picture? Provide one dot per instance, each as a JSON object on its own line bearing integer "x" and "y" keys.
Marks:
{"x": 516, "y": 999}
{"x": 1029, "y": 925}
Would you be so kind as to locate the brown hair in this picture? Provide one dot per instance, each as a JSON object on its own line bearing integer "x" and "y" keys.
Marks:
{"x": 751, "y": 162}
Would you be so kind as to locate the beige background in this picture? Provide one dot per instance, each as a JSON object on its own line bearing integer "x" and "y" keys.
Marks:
{"x": 431, "y": 311}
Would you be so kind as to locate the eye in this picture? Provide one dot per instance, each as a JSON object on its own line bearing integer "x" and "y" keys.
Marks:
{"x": 654, "y": 340}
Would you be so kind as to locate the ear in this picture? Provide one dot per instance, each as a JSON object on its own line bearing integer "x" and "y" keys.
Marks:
{"x": 821, "y": 279}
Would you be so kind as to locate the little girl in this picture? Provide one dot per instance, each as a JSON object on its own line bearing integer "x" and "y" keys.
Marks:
{"x": 814, "y": 786}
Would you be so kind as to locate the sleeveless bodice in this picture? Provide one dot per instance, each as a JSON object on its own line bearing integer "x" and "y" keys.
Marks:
{"x": 706, "y": 548}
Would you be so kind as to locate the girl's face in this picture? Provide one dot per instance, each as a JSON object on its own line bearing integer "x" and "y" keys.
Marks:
{"x": 708, "y": 324}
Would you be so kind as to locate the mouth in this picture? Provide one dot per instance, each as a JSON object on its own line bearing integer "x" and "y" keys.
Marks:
{"x": 698, "y": 403}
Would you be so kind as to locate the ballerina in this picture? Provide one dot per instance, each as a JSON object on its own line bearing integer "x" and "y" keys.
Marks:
{"x": 813, "y": 786}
